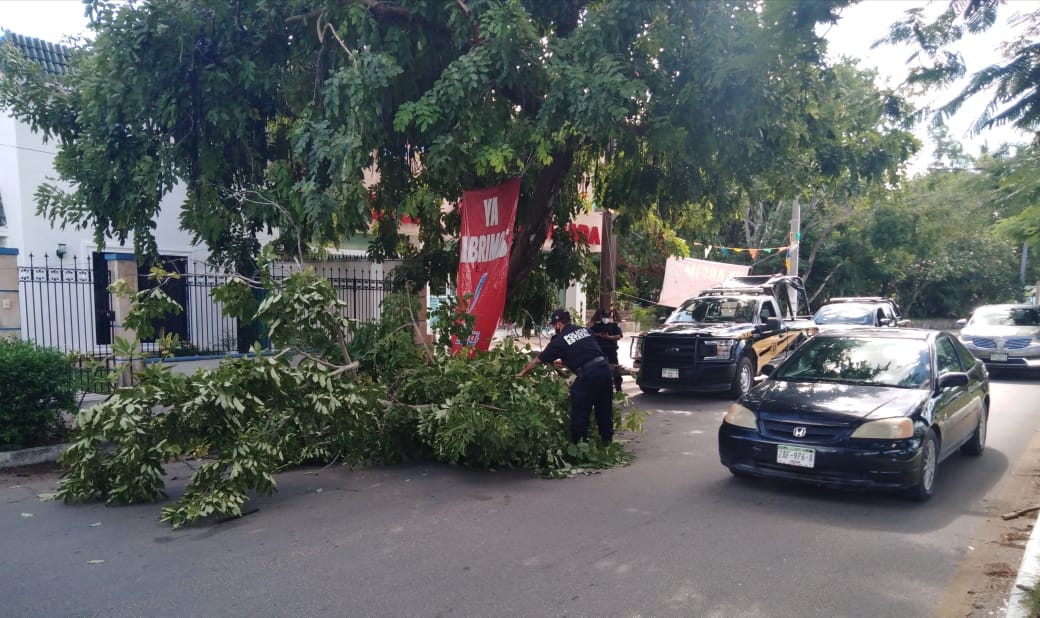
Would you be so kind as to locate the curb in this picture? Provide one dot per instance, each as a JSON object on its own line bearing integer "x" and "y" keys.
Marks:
{"x": 1028, "y": 574}
{"x": 31, "y": 456}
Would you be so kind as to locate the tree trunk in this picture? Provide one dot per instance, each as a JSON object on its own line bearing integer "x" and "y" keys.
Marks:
{"x": 531, "y": 234}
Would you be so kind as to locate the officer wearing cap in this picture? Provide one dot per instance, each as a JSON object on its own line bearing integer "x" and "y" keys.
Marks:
{"x": 576, "y": 347}
{"x": 607, "y": 331}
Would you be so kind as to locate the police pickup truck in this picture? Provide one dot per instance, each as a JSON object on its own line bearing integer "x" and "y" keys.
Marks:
{"x": 720, "y": 340}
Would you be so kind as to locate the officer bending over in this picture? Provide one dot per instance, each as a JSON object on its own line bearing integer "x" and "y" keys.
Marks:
{"x": 577, "y": 348}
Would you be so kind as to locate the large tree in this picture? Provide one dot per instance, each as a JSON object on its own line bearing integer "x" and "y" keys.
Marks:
{"x": 271, "y": 113}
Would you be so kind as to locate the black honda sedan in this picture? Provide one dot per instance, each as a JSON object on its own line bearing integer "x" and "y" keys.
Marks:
{"x": 862, "y": 408}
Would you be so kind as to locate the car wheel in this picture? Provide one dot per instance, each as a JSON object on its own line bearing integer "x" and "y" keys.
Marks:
{"x": 740, "y": 474}
{"x": 977, "y": 443}
{"x": 925, "y": 486}
{"x": 744, "y": 379}
{"x": 649, "y": 390}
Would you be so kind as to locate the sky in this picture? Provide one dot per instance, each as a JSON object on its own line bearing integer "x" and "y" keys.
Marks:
{"x": 861, "y": 24}
{"x": 864, "y": 23}
{"x": 49, "y": 20}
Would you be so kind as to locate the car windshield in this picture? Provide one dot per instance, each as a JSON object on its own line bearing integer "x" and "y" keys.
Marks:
{"x": 714, "y": 309}
{"x": 845, "y": 313}
{"x": 860, "y": 360}
{"x": 1006, "y": 316}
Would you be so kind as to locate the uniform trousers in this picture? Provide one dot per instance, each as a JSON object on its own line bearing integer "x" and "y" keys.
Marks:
{"x": 593, "y": 391}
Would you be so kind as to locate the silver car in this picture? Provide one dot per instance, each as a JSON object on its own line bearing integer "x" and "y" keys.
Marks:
{"x": 1004, "y": 336}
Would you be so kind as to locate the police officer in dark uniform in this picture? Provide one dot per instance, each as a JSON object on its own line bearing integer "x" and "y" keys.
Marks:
{"x": 607, "y": 331}
{"x": 576, "y": 347}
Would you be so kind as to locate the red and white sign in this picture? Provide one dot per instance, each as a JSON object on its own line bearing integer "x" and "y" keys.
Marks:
{"x": 685, "y": 278}
{"x": 484, "y": 242}
{"x": 586, "y": 226}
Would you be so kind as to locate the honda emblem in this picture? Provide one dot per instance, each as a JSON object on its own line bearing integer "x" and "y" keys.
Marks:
{"x": 799, "y": 432}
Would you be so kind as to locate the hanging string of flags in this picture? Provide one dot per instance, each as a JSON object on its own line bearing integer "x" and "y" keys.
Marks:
{"x": 752, "y": 252}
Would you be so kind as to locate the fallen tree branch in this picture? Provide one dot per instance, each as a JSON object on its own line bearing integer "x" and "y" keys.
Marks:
{"x": 1020, "y": 512}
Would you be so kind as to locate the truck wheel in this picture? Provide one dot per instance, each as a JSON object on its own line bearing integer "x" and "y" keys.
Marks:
{"x": 744, "y": 379}
{"x": 648, "y": 390}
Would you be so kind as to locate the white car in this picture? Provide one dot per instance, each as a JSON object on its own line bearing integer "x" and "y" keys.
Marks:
{"x": 859, "y": 311}
{"x": 1004, "y": 336}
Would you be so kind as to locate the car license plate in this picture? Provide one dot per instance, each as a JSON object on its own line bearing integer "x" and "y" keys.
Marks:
{"x": 670, "y": 373}
{"x": 998, "y": 356}
{"x": 795, "y": 456}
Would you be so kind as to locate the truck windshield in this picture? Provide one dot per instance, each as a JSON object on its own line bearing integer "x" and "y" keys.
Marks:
{"x": 714, "y": 309}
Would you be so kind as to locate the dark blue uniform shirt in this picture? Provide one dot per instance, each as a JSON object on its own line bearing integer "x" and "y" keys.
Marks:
{"x": 574, "y": 345}
{"x": 610, "y": 328}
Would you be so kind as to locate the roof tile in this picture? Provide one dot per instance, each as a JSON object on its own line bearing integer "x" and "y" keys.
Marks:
{"x": 53, "y": 57}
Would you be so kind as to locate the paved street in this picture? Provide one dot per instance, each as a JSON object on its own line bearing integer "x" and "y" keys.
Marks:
{"x": 671, "y": 535}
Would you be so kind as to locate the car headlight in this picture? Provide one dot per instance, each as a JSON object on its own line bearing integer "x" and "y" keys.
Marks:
{"x": 740, "y": 416}
{"x": 722, "y": 348}
{"x": 886, "y": 429}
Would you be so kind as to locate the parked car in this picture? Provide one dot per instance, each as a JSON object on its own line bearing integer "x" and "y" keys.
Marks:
{"x": 1004, "y": 336}
{"x": 846, "y": 311}
{"x": 861, "y": 408}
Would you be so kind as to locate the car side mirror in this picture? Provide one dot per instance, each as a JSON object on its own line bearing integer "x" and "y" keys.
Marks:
{"x": 961, "y": 322}
{"x": 952, "y": 379}
{"x": 884, "y": 322}
{"x": 771, "y": 324}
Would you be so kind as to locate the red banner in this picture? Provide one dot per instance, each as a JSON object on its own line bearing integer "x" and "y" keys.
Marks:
{"x": 484, "y": 242}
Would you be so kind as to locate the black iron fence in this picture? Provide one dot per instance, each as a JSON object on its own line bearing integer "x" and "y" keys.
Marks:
{"x": 66, "y": 304}
{"x": 359, "y": 284}
{"x": 61, "y": 303}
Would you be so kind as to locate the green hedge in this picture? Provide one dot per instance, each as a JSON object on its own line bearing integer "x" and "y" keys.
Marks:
{"x": 35, "y": 391}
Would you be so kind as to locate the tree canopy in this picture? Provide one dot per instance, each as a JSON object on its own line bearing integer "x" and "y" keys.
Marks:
{"x": 270, "y": 115}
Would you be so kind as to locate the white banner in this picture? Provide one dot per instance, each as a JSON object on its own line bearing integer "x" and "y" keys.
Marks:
{"x": 686, "y": 277}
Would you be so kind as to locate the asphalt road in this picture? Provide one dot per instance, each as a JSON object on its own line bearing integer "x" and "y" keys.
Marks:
{"x": 671, "y": 535}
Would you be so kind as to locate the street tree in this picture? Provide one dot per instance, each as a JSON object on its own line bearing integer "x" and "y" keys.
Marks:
{"x": 270, "y": 115}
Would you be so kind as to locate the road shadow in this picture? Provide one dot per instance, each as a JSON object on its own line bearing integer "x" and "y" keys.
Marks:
{"x": 962, "y": 482}
{"x": 1014, "y": 376}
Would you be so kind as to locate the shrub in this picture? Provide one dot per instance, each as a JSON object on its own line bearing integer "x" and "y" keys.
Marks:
{"x": 36, "y": 390}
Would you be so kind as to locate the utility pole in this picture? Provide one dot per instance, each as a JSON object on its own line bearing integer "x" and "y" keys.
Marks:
{"x": 796, "y": 236}
{"x": 1022, "y": 265}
